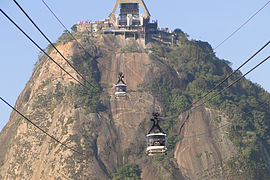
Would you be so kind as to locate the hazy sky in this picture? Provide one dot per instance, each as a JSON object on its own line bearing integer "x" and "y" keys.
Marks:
{"x": 208, "y": 20}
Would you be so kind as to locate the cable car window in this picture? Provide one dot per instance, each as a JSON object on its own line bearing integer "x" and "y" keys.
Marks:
{"x": 120, "y": 88}
{"x": 156, "y": 140}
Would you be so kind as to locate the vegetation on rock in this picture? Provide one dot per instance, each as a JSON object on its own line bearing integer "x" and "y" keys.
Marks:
{"x": 128, "y": 172}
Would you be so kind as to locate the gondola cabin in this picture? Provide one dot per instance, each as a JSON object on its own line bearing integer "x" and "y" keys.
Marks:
{"x": 156, "y": 144}
{"x": 120, "y": 90}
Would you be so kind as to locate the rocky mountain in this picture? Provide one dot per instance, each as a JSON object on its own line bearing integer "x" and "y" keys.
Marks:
{"x": 219, "y": 140}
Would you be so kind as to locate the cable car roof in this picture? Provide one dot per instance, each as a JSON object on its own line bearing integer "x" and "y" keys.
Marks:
{"x": 156, "y": 134}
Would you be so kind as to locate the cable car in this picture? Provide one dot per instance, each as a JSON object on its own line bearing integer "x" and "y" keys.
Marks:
{"x": 120, "y": 89}
{"x": 156, "y": 144}
{"x": 156, "y": 141}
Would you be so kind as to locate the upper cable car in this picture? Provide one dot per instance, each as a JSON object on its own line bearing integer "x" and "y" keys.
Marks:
{"x": 156, "y": 141}
{"x": 120, "y": 89}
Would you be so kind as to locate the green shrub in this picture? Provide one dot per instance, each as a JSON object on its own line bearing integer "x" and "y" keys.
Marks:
{"x": 128, "y": 172}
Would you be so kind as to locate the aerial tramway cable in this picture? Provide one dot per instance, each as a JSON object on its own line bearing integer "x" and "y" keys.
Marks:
{"x": 52, "y": 44}
{"x": 41, "y": 48}
{"x": 43, "y": 131}
{"x": 234, "y": 32}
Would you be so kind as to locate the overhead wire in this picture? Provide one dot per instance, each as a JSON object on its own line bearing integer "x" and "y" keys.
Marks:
{"x": 242, "y": 25}
{"x": 52, "y": 43}
{"x": 40, "y": 48}
{"x": 43, "y": 131}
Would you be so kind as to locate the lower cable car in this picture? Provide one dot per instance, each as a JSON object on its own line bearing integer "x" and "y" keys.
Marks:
{"x": 156, "y": 144}
{"x": 156, "y": 141}
{"x": 120, "y": 89}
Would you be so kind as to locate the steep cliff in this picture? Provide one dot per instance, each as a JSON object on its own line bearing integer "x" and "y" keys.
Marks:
{"x": 111, "y": 131}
